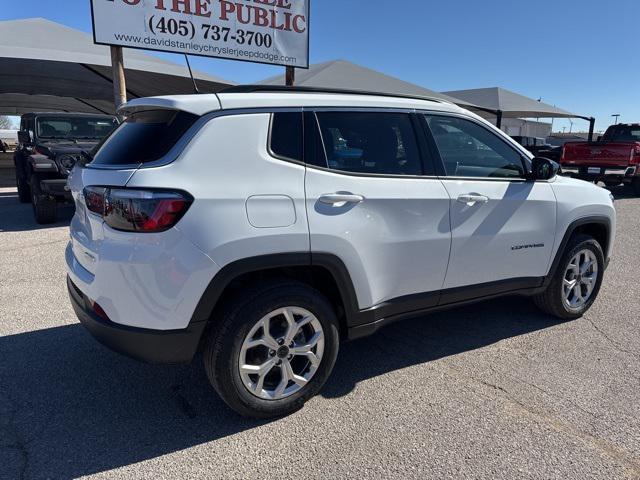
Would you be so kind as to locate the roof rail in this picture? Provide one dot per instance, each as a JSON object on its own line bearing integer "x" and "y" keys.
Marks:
{"x": 301, "y": 89}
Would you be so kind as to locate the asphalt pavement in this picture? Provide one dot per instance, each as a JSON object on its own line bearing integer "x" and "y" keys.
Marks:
{"x": 494, "y": 390}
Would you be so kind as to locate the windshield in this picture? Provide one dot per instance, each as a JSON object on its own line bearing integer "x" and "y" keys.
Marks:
{"x": 75, "y": 128}
{"x": 622, "y": 134}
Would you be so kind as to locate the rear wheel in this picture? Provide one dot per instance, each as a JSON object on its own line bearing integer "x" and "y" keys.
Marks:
{"x": 24, "y": 192}
{"x": 44, "y": 206}
{"x": 272, "y": 349}
{"x": 576, "y": 282}
{"x": 635, "y": 184}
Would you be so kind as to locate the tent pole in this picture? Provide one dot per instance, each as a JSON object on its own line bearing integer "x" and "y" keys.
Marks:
{"x": 119, "y": 82}
{"x": 499, "y": 119}
{"x": 592, "y": 126}
{"x": 290, "y": 76}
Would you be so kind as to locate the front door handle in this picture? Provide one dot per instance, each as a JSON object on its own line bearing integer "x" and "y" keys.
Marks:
{"x": 337, "y": 198}
{"x": 470, "y": 199}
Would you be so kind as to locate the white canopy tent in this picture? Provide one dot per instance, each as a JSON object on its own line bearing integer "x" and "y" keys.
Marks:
{"x": 19, "y": 103}
{"x": 64, "y": 70}
{"x": 488, "y": 102}
{"x": 508, "y": 104}
{"x": 343, "y": 75}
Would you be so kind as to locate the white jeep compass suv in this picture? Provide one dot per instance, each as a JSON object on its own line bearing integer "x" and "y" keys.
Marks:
{"x": 266, "y": 225}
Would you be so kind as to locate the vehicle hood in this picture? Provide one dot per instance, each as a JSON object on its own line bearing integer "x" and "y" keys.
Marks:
{"x": 580, "y": 192}
{"x": 561, "y": 180}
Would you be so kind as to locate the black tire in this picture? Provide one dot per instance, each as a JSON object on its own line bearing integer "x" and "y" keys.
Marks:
{"x": 234, "y": 323}
{"x": 551, "y": 300}
{"x": 24, "y": 192}
{"x": 611, "y": 183}
{"x": 44, "y": 206}
{"x": 635, "y": 184}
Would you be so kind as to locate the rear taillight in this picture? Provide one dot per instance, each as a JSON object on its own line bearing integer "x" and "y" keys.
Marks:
{"x": 564, "y": 149}
{"x": 635, "y": 155}
{"x": 134, "y": 210}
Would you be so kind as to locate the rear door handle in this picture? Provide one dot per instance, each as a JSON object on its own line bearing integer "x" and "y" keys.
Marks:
{"x": 470, "y": 199}
{"x": 335, "y": 198}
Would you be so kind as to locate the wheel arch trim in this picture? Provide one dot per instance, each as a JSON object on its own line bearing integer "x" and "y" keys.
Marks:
{"x": 333, "y": 264}
{"x": 600, "y": 220}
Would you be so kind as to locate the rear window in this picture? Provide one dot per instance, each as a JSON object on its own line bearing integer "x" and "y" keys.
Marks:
{"x": 143, "y": 137}
{"x": 623, "y": 134}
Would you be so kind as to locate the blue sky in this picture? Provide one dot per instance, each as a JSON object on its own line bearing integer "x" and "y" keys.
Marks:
{"x": 581, "y": 55}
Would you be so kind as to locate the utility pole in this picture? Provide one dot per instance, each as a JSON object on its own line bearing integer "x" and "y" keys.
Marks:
{"x": 616, "y": 116}
{"x": 290, "y": 76}
{"x": 119, "y": 82}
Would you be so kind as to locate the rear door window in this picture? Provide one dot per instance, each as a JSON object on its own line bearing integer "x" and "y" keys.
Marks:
{"x": 370, "y": 143}
{"x": 143, "y": 137}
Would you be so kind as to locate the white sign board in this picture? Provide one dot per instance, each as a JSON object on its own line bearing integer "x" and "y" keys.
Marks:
{"x": 263, "y": 31}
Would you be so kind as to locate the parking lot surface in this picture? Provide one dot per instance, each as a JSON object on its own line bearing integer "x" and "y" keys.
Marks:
{"x": 494, "y": 390}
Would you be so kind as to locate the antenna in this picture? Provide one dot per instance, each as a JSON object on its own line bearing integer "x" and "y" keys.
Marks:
{"x": 195, "y": 86}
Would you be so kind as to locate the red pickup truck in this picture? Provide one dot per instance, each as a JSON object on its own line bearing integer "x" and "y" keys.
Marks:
{"x": 613, "y": 159}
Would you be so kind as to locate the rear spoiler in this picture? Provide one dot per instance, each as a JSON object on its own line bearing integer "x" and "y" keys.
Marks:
{"x": 195, "y": 104}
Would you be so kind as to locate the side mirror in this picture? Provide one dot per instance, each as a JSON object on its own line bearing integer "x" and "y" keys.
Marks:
{"x": 543, "y": 169}
{"x": 24, "y": 138}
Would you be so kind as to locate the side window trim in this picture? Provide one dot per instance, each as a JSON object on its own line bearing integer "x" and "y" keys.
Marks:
{"x": 438, "y": 164}
{"x": 441, "y": 167}
{"x": 425, "y": 152}
{"x": 312, "y": 142}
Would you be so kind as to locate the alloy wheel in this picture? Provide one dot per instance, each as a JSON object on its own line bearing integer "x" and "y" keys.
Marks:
{"x": 580, "y": 278}
{"x": 281, "y": 353}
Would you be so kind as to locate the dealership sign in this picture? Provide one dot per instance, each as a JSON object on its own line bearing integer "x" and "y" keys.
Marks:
{"x": 264, "y": 31}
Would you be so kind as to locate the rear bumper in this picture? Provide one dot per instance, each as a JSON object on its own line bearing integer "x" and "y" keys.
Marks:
{"x": 151, "y": 346}
{"x": 56, "y": 187}
{"x": 595, "y": 173}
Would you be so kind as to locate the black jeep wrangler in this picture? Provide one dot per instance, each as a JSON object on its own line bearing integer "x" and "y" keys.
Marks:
{"x": 49, "y": 146}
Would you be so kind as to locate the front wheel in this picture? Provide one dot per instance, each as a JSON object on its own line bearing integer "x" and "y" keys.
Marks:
{"x": 576, "y": 282}
{"x": 272, "y": 349}
{"x": 24, "y": 192}
{"x": 44, "y": 206}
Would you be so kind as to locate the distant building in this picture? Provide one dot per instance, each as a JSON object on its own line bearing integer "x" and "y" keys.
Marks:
{"x": 558, "y": 139}
{"x": 10, "y": 137}
{"x": 521, "y": 127}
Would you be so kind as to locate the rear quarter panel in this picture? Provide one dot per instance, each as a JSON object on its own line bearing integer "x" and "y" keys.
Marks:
{"x": 150, "y": 280}
{"x": 227, "y": 169}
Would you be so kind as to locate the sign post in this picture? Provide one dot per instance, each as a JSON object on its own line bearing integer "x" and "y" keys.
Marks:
{"x": 119, "y": 81}
{"x": 290, "y": 76}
